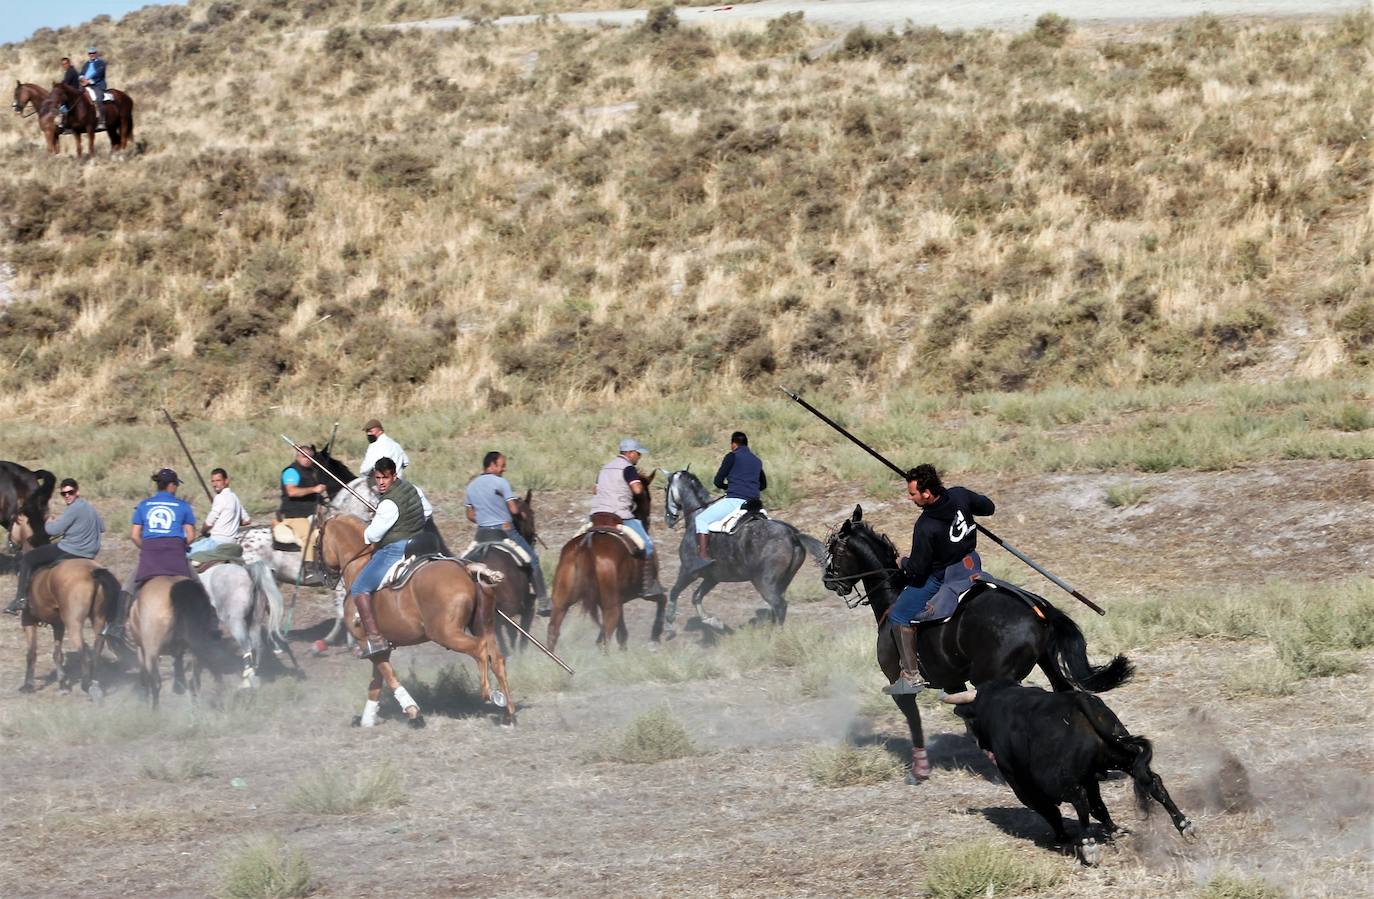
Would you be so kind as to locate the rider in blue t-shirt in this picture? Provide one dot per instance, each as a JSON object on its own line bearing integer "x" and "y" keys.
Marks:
{"x": 163, "y": 525}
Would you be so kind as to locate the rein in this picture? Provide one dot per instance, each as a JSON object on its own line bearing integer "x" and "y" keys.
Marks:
{"x": 861, "y": 597}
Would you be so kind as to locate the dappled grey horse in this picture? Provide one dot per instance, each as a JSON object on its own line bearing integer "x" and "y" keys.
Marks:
{"x": 247, "y": 601}
{"x": 766, "y": 552}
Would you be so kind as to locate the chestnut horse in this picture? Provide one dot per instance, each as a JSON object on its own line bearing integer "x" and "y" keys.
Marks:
{"x": 514, "y": 595}
{"x": 171, "y": 615}
{"x": 26, "y": 94}
{"x": 66, "y": 596}
{"x": 339, "y": 537}
{"x": 599, "y": 570}
{"x": 440, "y": 602}
{"x": 81, "y": 116}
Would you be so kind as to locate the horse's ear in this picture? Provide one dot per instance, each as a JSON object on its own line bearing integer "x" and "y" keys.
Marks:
{"x": 844, "y": 527}
{"x": 688, "y": 469}
{"x": 858, "y": 514}
{"x": 528, "y": 494}
{"x": 650, "y": 479}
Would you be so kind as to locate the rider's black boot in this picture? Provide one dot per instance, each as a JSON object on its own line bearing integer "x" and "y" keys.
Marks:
{"x": 649, "y": 587}
{"x": 114, "y": 628}
{"x": 16, "y": 605}
{"x": 542, "y": 606}
{"x": 909, "y": 681}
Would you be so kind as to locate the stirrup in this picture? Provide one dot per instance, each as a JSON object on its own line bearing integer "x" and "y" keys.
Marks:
{"x": 375, "y": 647}
{"x": 904, "y": 687}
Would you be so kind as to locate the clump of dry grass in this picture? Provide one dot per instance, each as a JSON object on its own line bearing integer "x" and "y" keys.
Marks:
{"x": 190, "y": 762}
{"x": 984, "y": 869}
{"x": 1235, "y": 886}
{"x": 265, "y": 868}
{"x": 852, "y": 766}
{"x": 329, "y": 792}
{"x": 652, "y": 736}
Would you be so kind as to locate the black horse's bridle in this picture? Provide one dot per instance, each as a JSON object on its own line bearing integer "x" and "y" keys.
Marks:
{"x": 844, "y": 584}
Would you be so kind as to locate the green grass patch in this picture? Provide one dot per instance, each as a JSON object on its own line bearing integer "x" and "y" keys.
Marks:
{"x": 190, "y": 762}
{"x": 1235, "y": 886}
{"x": 652, "y": 736}
{"x": 1125, "y": 494}
{"x": 330, "y": 792}
{"x": 265, "y": 868}
{"x": 984, "y": 869}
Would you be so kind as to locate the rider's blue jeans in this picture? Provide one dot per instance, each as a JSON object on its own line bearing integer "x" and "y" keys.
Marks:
{"x": 377, "y": 566}
{"x": 911, "y": 602}
{"x": 637, "y": 526}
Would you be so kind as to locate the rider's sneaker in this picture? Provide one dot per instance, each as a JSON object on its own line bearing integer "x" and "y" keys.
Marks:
{"x": 903, "y": 686}
{"x": 16, "y": 605}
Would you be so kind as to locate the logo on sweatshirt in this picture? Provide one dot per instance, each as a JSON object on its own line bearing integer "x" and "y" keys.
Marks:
{"x": 960, "y": 529}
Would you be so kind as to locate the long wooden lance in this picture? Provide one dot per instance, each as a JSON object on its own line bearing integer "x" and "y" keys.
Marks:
{"x": 210, "y": 496}
{"x": 524, "y": 633}
{"x": 990, "y": 535}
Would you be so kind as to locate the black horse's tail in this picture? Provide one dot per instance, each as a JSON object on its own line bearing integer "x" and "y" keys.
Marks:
{"x": 1070, "y": 652}
{"x": 194, "y": 616}
{"x": 109, "y": 590}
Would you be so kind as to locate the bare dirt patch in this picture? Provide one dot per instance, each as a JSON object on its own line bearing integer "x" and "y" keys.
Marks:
{"x": 527, "y": 812}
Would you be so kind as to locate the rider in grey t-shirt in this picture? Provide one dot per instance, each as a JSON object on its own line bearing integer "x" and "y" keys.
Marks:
{"x": 490, "y": 502}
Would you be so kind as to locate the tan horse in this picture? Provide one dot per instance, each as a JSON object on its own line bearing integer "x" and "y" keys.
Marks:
{"x": 66, "y": 596}
{"x": 441, "y": 603}
{"x": 171, "y": 615}
{"x": 340, "y": 541}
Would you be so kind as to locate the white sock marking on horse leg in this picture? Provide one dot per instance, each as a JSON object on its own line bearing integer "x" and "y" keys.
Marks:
{"x": 369, "y": 718}
{"x": 403, "y": 697}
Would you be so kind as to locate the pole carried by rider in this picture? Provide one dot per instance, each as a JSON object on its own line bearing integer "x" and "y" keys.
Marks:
{"x": 524, "y": 633}
{"x": 208, "y": 495}
{"x": 989, "y": 534}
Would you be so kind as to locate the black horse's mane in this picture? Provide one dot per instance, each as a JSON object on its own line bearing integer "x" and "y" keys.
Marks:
{"x": 866, "y": 530}
{"x": 694, "y": 484}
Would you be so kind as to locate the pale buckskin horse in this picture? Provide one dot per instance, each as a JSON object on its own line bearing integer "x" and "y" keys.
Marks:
{"x": 66, "y": 597}
{"x": 441, "y": 603}
{"x": 598, "y": 569}
{"x": 171, "y": 616}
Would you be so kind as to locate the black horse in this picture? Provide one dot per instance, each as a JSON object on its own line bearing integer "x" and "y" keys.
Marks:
{"x": 998, "y": 631}
{"x": 25, "y": 492}
{"x": 766, "y": 552}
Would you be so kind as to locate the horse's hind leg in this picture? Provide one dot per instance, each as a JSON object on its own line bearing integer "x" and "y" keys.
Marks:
{"x": 498, "y": 666}
{"x": 59, "y": 658}
{"x": 30, "y": 656}
{"x": 657, "y": 631}
{"x": 178, "y": 674}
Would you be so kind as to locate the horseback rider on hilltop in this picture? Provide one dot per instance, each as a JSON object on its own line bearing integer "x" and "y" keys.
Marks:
{"x": 617, "y": 484}
{"x": 944, "y": 553}
{"x": 400, "y": 517}
{"x": 93, "y": 79}
{"x": 742, "y": 478}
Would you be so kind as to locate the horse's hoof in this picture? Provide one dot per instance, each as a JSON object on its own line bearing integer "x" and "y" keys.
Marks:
{"x": 1189, "y": 832}
{"x": 653, "y": 646}
{"x": 357, "y": 721}
{"x": 27, "y": 688}
{"x": 714, "y": 624}
{"x": 498, "y": 699}
{"x": 95, "y": 693}
{"x": 669, "y": 633}
{"x": 417, "y": 722}
{"x": 914, "y": 781}
{"x": 64, "y": 691}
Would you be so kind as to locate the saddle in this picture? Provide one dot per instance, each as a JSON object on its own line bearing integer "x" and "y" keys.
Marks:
{"x": 730, "y": 523}
{"x": 477, "y": 548}
{"x": 284, "y": 539}
{"x": 225, "y": 552}
{"x": 609, "y": 523}
{"x": 398, "y": 574}
{"x": 947, "y": 600}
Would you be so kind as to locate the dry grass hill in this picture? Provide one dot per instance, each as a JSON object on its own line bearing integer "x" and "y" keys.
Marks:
{"x": 545, "y": 217}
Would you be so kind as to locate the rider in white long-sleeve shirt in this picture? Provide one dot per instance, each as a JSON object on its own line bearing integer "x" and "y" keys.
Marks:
{"x": 380, "y": 445}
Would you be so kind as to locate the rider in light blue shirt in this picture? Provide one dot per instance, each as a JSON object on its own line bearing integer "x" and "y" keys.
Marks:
{"x": 490, "y": 503}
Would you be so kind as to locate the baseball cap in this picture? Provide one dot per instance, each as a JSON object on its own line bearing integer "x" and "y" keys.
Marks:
{"x": 165, "y": 476}
{"x": 92, "y": 50}
{"x": 372, "y": 423}
{"x": 631, "y": 445}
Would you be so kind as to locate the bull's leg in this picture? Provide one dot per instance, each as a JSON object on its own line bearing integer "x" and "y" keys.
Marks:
{"x": 1098, "y": 808}
{"x": 1185, "y": 827}
{"x": 374, "y": 700}
{"x": 1089, "y": 853}
{"x": 30, "y": 655}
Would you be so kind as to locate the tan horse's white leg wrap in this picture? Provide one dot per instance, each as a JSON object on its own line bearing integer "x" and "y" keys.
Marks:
{"x": 369, "y": 718}
{"x": 404, "y": 698}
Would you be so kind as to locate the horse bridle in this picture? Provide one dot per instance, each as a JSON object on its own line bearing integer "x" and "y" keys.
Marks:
{"x": 844, "y": 584}
{"x": 672, "y": 506}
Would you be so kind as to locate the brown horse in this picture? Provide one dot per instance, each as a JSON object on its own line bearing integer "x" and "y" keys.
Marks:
{"x": 31, "y": 94}
{"x": 440, "y": 602}
{"x": 514, "y": 595}
{"x": 81, "y": 117}
{"x": 171, "y": 615}
{"x": 66, "y": 596}
{"x": 600, "y": 571}
{"x": 339, "y": 537}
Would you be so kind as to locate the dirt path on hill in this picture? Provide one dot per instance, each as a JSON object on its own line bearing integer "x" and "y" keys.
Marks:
{"x": 526, "y": 812}
{"x": 1005, "y": 15}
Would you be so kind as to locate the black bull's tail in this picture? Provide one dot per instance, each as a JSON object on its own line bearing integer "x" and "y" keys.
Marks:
{"x": 1070, "y": 656}
{"x": 1138, "y": 750}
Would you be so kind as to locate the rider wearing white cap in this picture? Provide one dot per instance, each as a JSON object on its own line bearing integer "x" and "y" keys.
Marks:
{"x": 617, "y": 484}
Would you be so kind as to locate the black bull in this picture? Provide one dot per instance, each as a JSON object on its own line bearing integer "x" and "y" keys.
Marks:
{"x": 1053, "y": 747}
{"x": 27, "y": 492}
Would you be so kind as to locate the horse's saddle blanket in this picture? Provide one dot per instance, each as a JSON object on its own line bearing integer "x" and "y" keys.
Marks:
{"x": 952, "y": 595}
{"x": 225, "y": 552}
{"x": 633, "y": 542}
{"x": 729, "y": 523}
{"x": 397, "y": 575}
{"x": 285, "y": 537}
{"x": 517, "y": 552}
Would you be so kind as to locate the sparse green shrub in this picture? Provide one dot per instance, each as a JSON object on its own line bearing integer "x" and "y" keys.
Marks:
{"x": 329, "y": 792}
{"x": 190, "y": 762}
{"x": 852, "y": 766}
{"x": 1126, "y": 494}
{"x": 265, "y": 868}
{"x": 984, "y": 869}
{"x": 1234, "y": 886}
{"x": 653, "y": 736}
{"x": 1052, "y": 29}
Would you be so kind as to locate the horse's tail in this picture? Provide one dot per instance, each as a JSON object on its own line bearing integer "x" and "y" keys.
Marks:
{"x": 109, "y": 588}
{"x": 583, "y": 577}
{"x": 1070, "y": 652}
{"x": 128, "y": 124}
{"x": 814, "y": 548}
{"x": 193, "y": 614}
{"x": 265, "y": 585}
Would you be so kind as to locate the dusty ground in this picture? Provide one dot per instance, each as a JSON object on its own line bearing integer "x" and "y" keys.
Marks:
{"x": 522, "y": 812}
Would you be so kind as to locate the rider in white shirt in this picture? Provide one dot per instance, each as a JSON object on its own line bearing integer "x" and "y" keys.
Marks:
{"x": 226, "y": 516}
{"x": 380, "y": 445}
